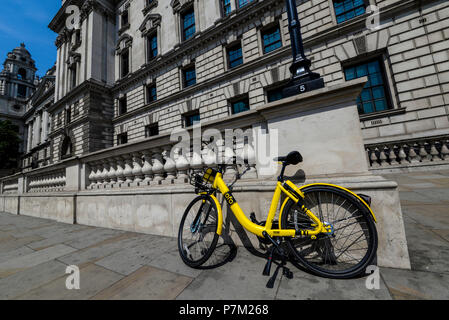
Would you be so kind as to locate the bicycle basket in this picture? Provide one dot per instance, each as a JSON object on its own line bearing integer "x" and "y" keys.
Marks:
{"x": 203, "y": 182}
{"x": 209, "y": 175}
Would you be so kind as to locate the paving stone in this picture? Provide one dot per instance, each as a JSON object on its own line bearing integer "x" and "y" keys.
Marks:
{"x": 93, "y": 279}
{"x": 218, "y": 285}
{"x": 404, "y": 284}
{"x": 24, "y": 281}
{"x": 432, "y": 216}
{"x": 305, "y": 286}
{"x": 35, "y": 258}
{"x": 8, "y": 255}
{"x": 147, "y": 283}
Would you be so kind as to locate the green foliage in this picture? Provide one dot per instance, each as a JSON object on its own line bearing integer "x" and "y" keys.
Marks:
{"x": 9, "y": 145}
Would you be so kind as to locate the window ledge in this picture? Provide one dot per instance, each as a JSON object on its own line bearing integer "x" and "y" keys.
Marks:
{"x": 148, "y": 7}
{"x": 382, "y": 114}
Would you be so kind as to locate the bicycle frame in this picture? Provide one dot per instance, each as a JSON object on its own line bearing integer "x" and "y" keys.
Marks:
{"x": 294, "y": 193}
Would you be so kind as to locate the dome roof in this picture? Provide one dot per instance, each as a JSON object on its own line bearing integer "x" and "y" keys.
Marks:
{"x": 22, "y": 51}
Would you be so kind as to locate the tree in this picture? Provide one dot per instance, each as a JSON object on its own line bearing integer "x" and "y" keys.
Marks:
{"x": 9, "y": 145}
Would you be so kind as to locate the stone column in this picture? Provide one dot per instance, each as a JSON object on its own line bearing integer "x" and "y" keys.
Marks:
{"x": 38, "y": 128}
{"x": 44, "y": 126}
{"x": 30, "y": 136}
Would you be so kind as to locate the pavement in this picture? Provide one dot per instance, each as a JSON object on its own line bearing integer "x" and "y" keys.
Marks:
{"x": 113, "y": 264}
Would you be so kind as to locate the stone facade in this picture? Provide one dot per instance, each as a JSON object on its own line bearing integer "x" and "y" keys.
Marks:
{"x": 146, "y": 39}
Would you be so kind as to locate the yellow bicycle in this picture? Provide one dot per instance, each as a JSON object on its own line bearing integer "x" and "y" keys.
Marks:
{"x": 325, "y": 228}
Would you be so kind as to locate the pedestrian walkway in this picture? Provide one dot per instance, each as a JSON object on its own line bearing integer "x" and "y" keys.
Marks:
{"x": 34, "y": 255}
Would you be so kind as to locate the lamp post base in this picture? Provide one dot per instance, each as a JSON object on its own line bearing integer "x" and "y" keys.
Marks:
{"x": 303, "y": 85}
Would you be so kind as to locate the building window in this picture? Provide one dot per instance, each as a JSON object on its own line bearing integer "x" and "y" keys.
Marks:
{"x": 189, "y": 76}
{"x": 226, "y": 7}
{"x": 374, "y": 95}
{"x": 243, "y": 3}
{"x": 73, "y": 76}
{"x": 275, "y": 94}
{"x": 122, "y": 138}
{"x": 22, "y": 74}
{"x": 122, "y": 106}
{"x": 191, "y": 118}
{"x": 151, "y": 93}
{"x": 124, "y": 57}
{"x": 235, "y": 56}
{"x": 68, "y": 115}
{"x": 21, "y": 91}
{"x": 240, "y": 105}
{"x": 348, "y": 9}
{"x": 152, "y": 46}
{"x": 66, "y": 148}
{"x": 125, "y": 18}
{"x": 152, "y": 130}
{"x": 271, "y": 39}
{"x": 188, "y": 24}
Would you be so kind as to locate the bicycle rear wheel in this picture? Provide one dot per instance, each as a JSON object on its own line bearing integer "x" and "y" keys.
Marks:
{"x": 349, "y": 249}
{"x": 197, "y": 236}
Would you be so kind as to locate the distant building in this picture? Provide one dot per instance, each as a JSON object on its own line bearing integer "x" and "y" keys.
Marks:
{"x": 17, "y": 83}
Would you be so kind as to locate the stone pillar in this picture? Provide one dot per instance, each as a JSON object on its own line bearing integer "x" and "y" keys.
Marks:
{"x": 30, "y": 136}
{"x": 44, "y": 126}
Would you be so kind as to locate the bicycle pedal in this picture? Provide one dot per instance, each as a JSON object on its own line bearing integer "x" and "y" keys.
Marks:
{"x": 286, "y": 272}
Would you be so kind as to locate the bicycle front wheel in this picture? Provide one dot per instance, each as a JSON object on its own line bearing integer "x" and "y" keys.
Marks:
{"x": 349, "y": 249}
{"x": 197, "y": 236}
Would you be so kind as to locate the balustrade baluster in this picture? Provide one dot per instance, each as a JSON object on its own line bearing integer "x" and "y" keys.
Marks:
{"x": 434, "y": 152}
{"x": 392, "y": 155}
{"x": 137, "y": 168}
{"x": 383, "y": 157}
{"x": 169, "y": 166}
{"x": 128, "y": 172}
{"x": 147, "y": 168}
{"x": 444, "y": 150}
{"x": 158, "y": 166}
{"x": 119, "y": 173}
{"x": 182, "y": 166}
{"x": 423, "y": 152}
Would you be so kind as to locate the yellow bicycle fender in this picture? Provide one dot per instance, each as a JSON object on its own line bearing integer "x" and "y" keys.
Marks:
{"x": 220, "y": 215}
{"x": 344, "y": 189}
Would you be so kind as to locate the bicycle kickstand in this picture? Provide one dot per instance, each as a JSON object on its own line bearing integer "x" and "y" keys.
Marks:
{"x": 285, "y": 271}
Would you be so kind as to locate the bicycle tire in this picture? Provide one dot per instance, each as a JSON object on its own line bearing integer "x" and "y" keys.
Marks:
{"x": 324, "y": 246}
{"x": 208, "y": 225}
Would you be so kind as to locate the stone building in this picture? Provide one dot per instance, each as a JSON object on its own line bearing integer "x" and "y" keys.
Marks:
{"x": 17, "y": 84}
{"x": 37, "y": 120}
{"x": 138, "y": 68}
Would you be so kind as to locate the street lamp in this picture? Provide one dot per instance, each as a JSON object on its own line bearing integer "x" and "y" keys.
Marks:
{"x": 303, "y": 80}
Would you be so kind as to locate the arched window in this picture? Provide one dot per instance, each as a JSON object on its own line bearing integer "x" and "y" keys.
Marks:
{"x": 66, "y": 148}
{"x": 22, "y": 74}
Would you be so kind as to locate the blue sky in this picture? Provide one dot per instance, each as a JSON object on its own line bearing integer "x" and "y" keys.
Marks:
{"x": 26, "y": 21}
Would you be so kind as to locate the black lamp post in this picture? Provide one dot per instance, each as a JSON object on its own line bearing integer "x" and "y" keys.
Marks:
{"x": 303, "y": 79}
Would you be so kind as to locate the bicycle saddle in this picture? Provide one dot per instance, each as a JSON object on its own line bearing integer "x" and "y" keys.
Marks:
{"x": 293, "y": 158}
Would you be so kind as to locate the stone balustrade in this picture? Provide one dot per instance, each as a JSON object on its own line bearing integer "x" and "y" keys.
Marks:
{"x": 47, "y": 182}
{"x": 407, "y": 153}
{"x": 10, "y": 186}
{"x": 164, "y": 165}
